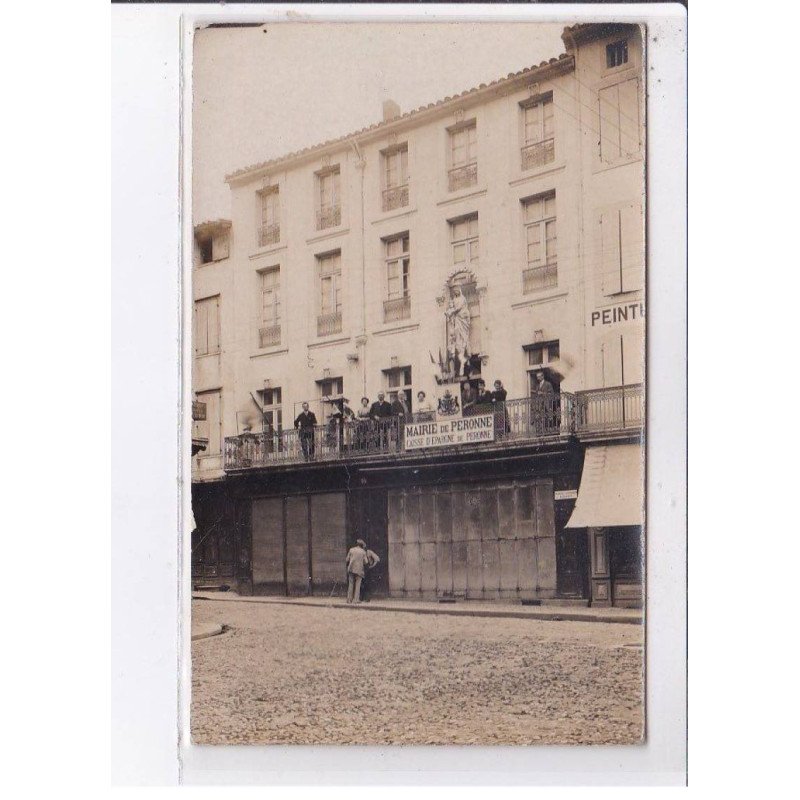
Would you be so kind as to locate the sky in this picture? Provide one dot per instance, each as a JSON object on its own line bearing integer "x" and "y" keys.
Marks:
{"x": 262, "y": 92}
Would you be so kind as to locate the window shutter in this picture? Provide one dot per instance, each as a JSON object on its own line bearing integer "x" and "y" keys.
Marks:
{"x": 610, "y": 252}
{"x": 609, "y": 124}
{"x": 633, "y": 357}
{"x": 213, "y": 324}
{"x": 629, "y": 118}
{"x": 200, "y": 328}
{"x": 632, "y": 248}
{"x": 220, "y": 246}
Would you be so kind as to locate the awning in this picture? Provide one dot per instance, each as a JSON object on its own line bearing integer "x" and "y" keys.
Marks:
{"x": 612, "y": 487}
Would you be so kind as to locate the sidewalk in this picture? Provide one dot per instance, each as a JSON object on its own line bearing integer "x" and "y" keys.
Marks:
{"x": 463, "y": 608}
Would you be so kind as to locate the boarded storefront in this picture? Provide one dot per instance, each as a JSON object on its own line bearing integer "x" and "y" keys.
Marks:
{"x": 298, "y": 543}
{"x": 484, "y": 540}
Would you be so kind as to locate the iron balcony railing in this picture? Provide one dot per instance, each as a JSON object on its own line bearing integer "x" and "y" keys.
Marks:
{"x": 538, "y": 154}
{"x": 269, "y": 336}
{"x": 619, "y": 408}
{"x": 462, "y": 177}
{"x": 534, "y": 279}
{"x": 395, "y": 197}
{"x": 330, "y": 217}
{"x": 329, "y": 323}
{"x": 398, "y": 309}
{"x": 269, "y": 234}
{"x": 541, "y": 418}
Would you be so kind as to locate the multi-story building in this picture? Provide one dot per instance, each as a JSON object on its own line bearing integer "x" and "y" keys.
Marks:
{"x": 336, "y": 277}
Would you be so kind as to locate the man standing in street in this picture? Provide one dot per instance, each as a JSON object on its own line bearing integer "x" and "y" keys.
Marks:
{"x": 357, "y": 560}
{"x": 305, "y": 422}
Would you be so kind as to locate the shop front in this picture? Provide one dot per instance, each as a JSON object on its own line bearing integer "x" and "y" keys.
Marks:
{"x": 609, "y": 514}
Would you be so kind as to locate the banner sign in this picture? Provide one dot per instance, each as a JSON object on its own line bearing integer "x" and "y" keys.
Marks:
{"x": 465, "y": 430}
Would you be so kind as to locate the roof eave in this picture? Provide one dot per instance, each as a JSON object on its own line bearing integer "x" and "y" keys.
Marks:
{"x": 553, "y": 68}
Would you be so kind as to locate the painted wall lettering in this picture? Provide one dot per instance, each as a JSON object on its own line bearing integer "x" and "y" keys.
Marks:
{"x": 611, "y": 316}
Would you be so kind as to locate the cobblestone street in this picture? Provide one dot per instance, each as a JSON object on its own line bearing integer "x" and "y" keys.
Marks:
{"x": 301, "y": 675}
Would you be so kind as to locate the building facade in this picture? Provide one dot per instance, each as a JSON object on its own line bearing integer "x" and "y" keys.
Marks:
{"x": 494, "y": 235}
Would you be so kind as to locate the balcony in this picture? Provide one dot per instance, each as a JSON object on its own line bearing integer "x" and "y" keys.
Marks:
{"x": 462, "y": 177}
{"x": 535, "y": 279}
{"x": 330, "y": 217}
{"x": 269, "y": 336}
{"x": 269, "y": 234}
{"x": 396, "y": 310}
{"x": 395, "y": 197}
{"x": 328, "y": 324}
{"x": 601, "y": 412}
{"x": 539, "y": 154}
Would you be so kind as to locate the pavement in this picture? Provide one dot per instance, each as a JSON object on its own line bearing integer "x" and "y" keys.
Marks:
{"x": 465, "y": 608}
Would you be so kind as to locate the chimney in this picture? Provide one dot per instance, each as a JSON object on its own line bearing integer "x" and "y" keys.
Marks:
{"x": 390, "y": 110}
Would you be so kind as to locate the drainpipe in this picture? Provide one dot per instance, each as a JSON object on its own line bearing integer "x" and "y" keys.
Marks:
{"x": 361, "y": 339}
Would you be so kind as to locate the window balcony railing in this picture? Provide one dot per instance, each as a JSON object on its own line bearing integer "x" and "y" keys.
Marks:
{"x": 395, "y": 197}
{"x": 619, "y": 408}
{"x": 538, "y": 154}
{"x": 329, "y": 217}
{"x": 269, "y": 336}
{"x": 534, "y": 279}
{"x": 395, "y": 310}
{"x": 540, "y": 419}
{"x": 329, "y": 323}
{"x": 462, "y": 177}
{"x": 269, "y": 234}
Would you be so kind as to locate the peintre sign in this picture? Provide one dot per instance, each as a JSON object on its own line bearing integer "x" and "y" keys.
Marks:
{"x": 443, "y": 433}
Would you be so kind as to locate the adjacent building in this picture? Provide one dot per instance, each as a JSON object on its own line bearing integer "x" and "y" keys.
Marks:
{"x": 494, "y": 235}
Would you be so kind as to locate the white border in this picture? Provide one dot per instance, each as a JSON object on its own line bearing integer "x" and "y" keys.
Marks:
{"x": 662, "y": 759}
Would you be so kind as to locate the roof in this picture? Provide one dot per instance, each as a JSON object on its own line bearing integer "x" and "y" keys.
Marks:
{"x": 563, "y": 62}
{"x": 588, "y": 31}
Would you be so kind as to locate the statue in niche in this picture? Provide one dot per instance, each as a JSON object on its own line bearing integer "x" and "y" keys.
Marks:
{"x": 457, "y": 322}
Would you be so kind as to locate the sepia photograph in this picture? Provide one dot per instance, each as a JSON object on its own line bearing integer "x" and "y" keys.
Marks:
{"x": 418, "y": 285}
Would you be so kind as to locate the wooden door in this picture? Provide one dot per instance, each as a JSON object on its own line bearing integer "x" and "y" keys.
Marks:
{"x": 572, "y": 555}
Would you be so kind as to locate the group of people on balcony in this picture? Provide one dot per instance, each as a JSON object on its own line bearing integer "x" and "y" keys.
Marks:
{"x": 379, "y": 425}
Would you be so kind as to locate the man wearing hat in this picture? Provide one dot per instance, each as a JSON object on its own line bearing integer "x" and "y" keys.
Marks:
{"x": 357, "y": 560}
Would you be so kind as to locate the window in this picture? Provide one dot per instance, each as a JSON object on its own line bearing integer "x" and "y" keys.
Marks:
{"x": 330, "y": 279}
{"x": 213, "y": 246}
{"x": 397, "y": 305}
{"x": 622, "y": 249}
{"x": 541, "y": 242}
{"x": 463, "y": 156}
{"x": 619, "y": 121}
{"x": 330, "y": 388}
{"x": 273, "y": 412}
{"x": 329, "y": 209}
{"x": 269, "y": 333}
{"x": 399, "y": 380}
{"x": 395, "y": 177}
{"x": 206, "y": 326}
{"x": 269, "y": 230}
{"x": 540, "y": 356}
{"x": 617, "y": 54}
{"x": 464, "y": 242}
{"x": 538, "y": 132}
